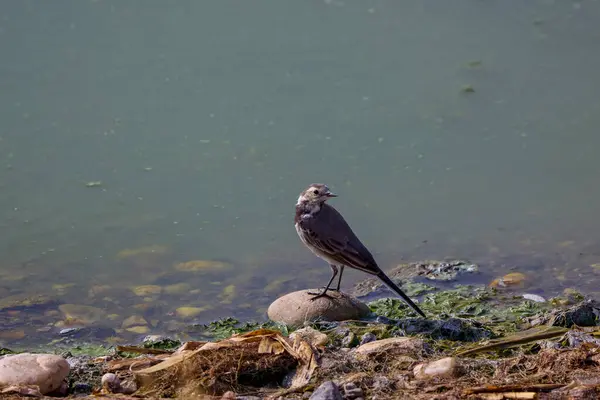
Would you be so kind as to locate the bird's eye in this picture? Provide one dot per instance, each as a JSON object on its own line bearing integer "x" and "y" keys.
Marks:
{"x": 315, "y": 191}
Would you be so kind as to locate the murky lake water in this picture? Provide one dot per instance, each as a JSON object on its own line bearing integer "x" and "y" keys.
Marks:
{"x": 192, "y": 127}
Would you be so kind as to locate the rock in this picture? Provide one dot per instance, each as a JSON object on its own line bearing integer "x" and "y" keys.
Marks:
{"x": 111, "y": 383}
{"x": 134, "y": 320}
{"x": 177, "y": 288}
{"x": 128, "y": 386}
{"x": 190, "y": 312}
{"x": 47, "y": 371}
{"x": 509, "y": 280}
{"x": 146, "y": 290}
{"x": 81, "y": 388}
{"x": 444, "y": 368}
{"x": 310, "y": 335}
{"x": 327, "y": 391}
{"x": 228, "y": 396}
{"x": 352, "y": 392}
{"x": 534, "y": 297}
{"x": 81, "y": 314}
{"x": 367, "y": 338}
{"x": 297, "y": 307}
{"x": 585, "y": 313}
{"x": 24, "y": 301}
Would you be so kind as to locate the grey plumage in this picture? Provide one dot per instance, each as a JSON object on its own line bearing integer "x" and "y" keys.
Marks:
{"x": 327, "y": 234}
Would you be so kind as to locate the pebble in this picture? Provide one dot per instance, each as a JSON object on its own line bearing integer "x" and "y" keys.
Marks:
{"x": 111, "y": 383}
{"x": 296, "y": 308}
{"x": 367, "y": 338}
{"x": 534, "y": 297}
{"x": 146, "y": 290}
{"x": 47, "y": 371}
{"x": 81, "y": 388}
{"x": 189, "y": 312}
{"x": 85, "y": 315}
{"x": 446, "y": 367}
{"x": 327, "y": 391}
{"x": 352, "y": 392}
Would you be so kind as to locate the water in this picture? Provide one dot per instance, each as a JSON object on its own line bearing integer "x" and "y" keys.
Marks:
{"x": 204, "y": 120}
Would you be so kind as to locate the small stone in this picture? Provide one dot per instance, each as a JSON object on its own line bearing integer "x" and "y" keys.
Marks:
{"x": 446, "y": 367}
{"x": 509, "y": 280}
{"x": 189, "y": 312}
{"x": 352, "y": 392}
{"x": 229, "y": 396}
{"x": 86, "y": 315}
{"x": 310, "y": 335}
{"x": 128, "y": 386}
{"x": 47, "y": 371}
{"x": 134, "y": 320}
{"x": 98, "y": 290}
{"x": 81, "y": 388}
{"x": 391, "y": 346}
{"x": 19, "y": 301}
{"x": 327, "y": 391}
{"x": 367, "y": 338}
{"x": 349, "y": 340}
{"x": 146, "y": 290}
{"x": 111, "y": 383}
{"x": 534, "y": 297}
{"x": 177, "y": 288}
{"x": 140, "y": 330}
{"x": 296, "y": 308}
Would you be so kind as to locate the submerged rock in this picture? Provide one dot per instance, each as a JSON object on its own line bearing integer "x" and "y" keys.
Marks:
{"x": 47, "y": 371}
{"x": 80, "y": 314}
{"x": 298, "y": 307}
{"x": 23, "y": 300}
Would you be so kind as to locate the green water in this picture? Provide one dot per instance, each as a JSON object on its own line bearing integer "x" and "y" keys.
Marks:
{"x": 204, "y": 120}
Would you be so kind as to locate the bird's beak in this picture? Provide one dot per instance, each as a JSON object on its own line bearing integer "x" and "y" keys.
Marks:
{"x": 329, "y": 194}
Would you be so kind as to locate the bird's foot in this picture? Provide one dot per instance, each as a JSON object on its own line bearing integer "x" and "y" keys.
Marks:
{"x": 325, "y": 289}
{"x": 317, "y": 295}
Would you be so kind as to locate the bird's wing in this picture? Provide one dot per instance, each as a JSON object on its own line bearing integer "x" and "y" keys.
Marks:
{"x": 331, "y": 234}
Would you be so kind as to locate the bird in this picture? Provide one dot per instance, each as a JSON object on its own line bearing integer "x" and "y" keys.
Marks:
{"x": 327, "y": 234}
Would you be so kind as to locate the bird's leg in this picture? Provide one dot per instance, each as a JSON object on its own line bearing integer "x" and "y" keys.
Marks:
{"x": 337, "y": 289}
{"x": 334, "y": 269}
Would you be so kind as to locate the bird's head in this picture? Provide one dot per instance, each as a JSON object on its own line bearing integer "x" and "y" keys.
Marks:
{"x": 317, "y": 193}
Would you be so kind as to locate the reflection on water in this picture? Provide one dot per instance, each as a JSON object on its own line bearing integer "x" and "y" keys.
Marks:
{"x": 199, "y": 124}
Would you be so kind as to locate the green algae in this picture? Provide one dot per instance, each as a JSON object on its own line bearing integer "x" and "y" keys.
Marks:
{"x": 226, "y": 327}
{"x": 499, "y": 312}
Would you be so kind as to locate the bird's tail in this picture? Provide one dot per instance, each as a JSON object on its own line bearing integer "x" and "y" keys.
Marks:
{"x": 388, "y": 282}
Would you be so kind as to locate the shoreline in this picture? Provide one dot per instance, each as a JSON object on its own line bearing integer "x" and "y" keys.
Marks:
{"x": 472, "y": 335}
